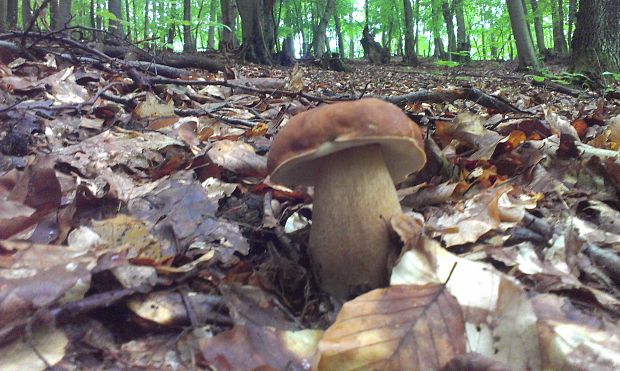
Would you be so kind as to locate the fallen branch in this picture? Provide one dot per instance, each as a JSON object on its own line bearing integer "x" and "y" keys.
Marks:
{"x": 440, "y": 95}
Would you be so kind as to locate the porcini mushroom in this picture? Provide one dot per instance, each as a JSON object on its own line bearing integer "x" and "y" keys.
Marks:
{"x": 352, "y": 153}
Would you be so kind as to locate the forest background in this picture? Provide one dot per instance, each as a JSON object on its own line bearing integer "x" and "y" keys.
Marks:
{"x": 453, "y": 31}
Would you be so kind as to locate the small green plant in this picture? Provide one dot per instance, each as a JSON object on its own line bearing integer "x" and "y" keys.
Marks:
{"x": 442, "y": 63}
{"x": 613, "y": 75}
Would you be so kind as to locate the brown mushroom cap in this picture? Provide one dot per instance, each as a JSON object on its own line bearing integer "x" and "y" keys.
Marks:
{"x": 331, "y": 128}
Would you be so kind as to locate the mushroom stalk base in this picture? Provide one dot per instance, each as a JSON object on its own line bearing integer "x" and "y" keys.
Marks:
{"x": 354, "y": 198}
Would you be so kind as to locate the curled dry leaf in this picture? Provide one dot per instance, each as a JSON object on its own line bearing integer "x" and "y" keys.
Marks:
{"x": 404, "y": 326}
{"x": 238, "y": 157}
{"x": 499, "y": 319}
{"x": 170, "y": 308}
{"x": 488, "y": 210}
{"x": 37, "y": 188}
{"x": 251, "y": 347}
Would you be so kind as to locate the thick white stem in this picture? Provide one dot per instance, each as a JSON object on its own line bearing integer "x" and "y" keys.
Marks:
{"x": 354, "y": 198}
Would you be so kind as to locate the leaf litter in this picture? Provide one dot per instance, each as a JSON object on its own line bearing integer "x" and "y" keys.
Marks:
{"x": 139, "y": 227}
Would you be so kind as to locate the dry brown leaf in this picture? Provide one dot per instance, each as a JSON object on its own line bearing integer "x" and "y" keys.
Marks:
{"x": 572, "y": 340}
{"x": 238, "y": 157}
{"x": 405, "y": 326}
{"x": 251, "y": 347}
{"x": 499, "y": 319}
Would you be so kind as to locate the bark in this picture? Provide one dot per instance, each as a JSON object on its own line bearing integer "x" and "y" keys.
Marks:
{"x": 559, "y": 41}
{"x": 53, "y": 11}
{"x": 127, "y": 15}
{"x": 339, "y": 35}
{"x": 525, "y": 49}
{"x": 63, "y": 14}
{"x": 351, "y": 42}
{"x": 462, "y": 40}
{"x": 596, "y": 43}
{"x": 538, "y": 28}
{"x": 26, "y": 12}
{"x": 372, "y": 49}
{"x": 188, "y": 42}
{"x": 410, "y": 56}
{"x": 11, "y": 14}
{"x": 212, "y": 17}
{"x": 229, "y": 11}
{"x": 3, "y": 12}
{"x": 318, "y": 39}
{"x": 572, "y": 8}
{"x": 114, "y": 7}
{"x": 447, "y": 16}
{"x": 436, "y": 22}
{"x": 257, "y": 24}
{"x": 146, "y": 19}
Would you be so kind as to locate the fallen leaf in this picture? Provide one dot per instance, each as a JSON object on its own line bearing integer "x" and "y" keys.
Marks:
{"x": 399, "y": 327}
{"x": 252, "y": 347}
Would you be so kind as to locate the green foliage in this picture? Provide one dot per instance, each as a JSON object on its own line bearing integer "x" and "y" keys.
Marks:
{"x": 442, "y": 63}
{"x": 613, "y": 75}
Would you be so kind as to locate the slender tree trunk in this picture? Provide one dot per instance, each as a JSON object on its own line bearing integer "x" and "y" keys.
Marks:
{"x": 538, "y": 28}
{"x": 447, "y": 16}
{"x": 596, "y": 43}
{"x": 525, "y": 49}
{"x": 3, "y": 13}
{"x": 318, "y": 39}
{"x": 26, "y": 12}
{"x": 11, "y": 14}
{"x": 127, "y": 16}
{"x": 351, "y": 41}
{"x": 417, "y": 26}
{"x": 188, "y": 43}
{"x": 135, "y": 20}
{"x": 410, "y": 56}
{"x": 212, "y": 17}
{"x": 229, "y": 19}
{"x": 436, "y": 21}
{"x": 339, "y": 35}
{"x": 115, "y": 26}
{"x": 146, "y": 19}
{"x": 493, "y": 43}
{"x": 257, "y": 26}
{"x": 63, "y": 14}
{"x": 559, "y": 41}
{"x": 572, "y": 8}
{"x": 462, "y": 40}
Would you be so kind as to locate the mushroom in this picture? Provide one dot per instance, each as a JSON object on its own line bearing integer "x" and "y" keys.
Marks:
{"x": 352, "y": 153}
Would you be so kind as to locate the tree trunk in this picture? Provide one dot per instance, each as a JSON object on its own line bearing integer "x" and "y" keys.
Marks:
{"x": 11, "y": 14}
{"x": 26, "y": 12}
{"x": 127, "y": 15}
{"x": 188, "y": 43}
{"x": 114, "y": 7}
{"x": 447, "y": 16}
{"x": 572, "y": 8}
{"x": 410, "y": 56}
{"x": 229, "y": 19}
{"x": 339, "y": 35}
{"x": 436, "y": 21}
{"x": 257, "y": 24}
{"x": 318, "y": 39}
{"x": 146, "y": 19}
{"x": 463, "y": 44}
{"x": 212, "y": 17}
{"x": 559, "y": 41}
{"x": 596, "y": 43}
{"x": 3, "y": 12}
{"x": 538, "y": 28}
{"x": 525, "y": 49}
{"x": 63, "y": 14}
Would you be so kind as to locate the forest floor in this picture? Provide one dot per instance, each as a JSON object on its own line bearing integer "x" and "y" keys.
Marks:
{"x": 139, "y": 228}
